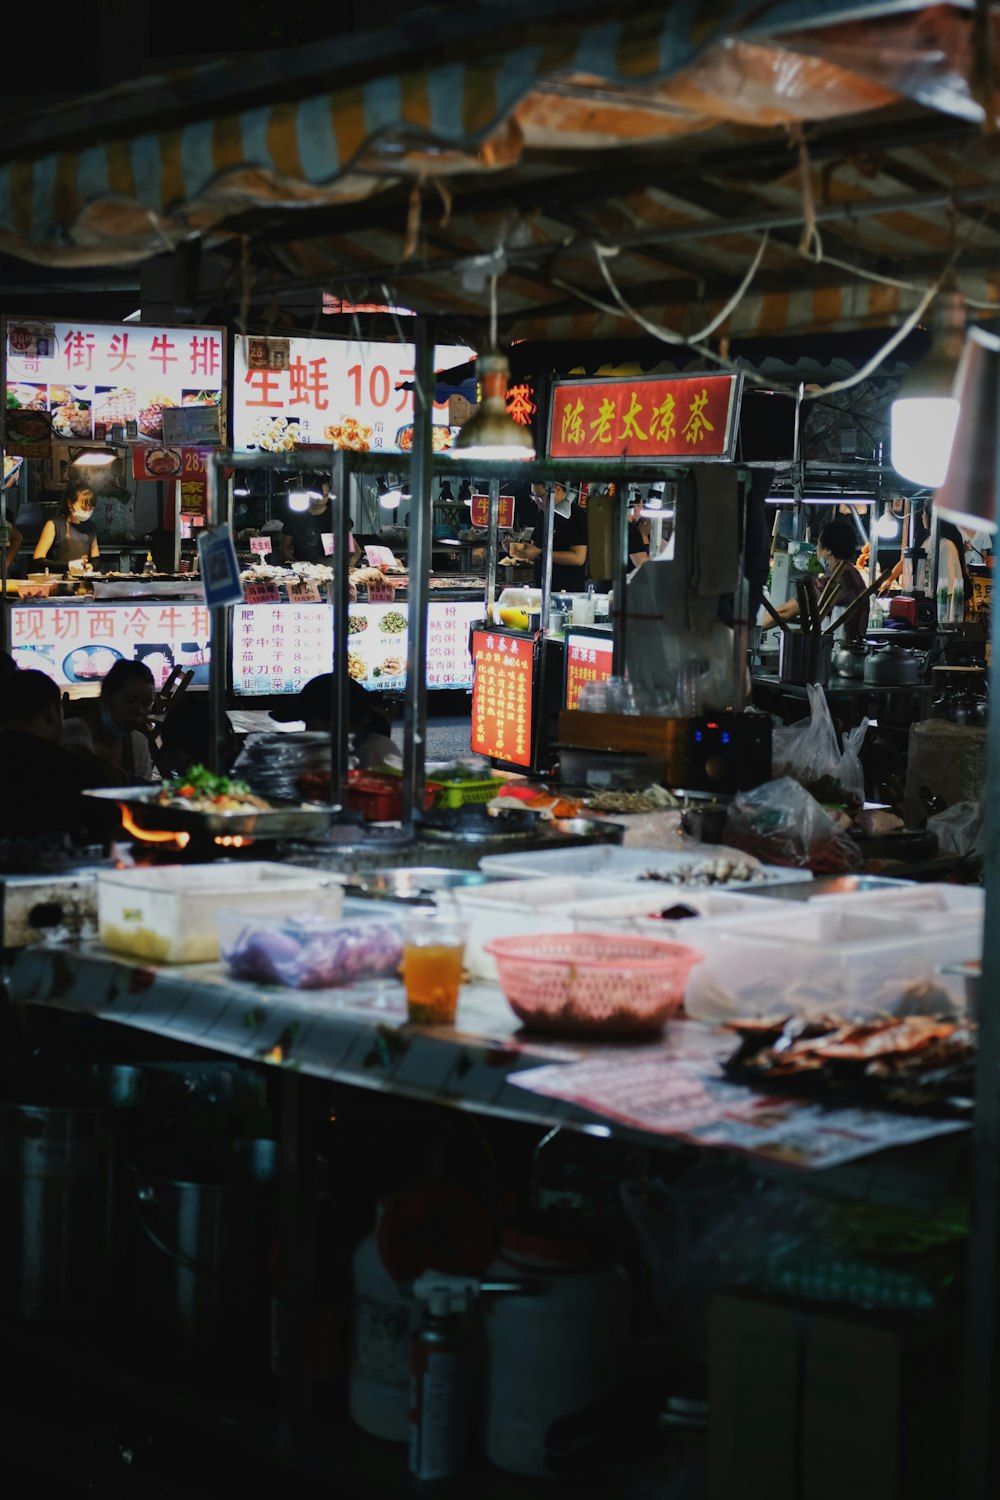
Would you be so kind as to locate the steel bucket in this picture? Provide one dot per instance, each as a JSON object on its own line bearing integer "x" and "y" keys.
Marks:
{"x": 796, "y": 655}
{"x": 205, "y": 1214}
{"x": 62, "y": 1135}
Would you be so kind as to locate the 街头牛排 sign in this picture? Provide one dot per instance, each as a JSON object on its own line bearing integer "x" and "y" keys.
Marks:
{"x": 689, "y": 417}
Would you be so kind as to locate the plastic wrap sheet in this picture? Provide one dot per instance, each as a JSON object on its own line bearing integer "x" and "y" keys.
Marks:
{"x": 948, "y": 759}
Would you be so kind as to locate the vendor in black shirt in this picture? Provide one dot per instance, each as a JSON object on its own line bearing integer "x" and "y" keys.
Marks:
{"x": 569, "y": 540}
{"x": 303, "y": 531}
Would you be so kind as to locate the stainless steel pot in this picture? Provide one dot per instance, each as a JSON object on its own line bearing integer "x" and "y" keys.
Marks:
{"x": 794, "y": 657}
{"x": 892, "y": 666}
{"x": 849, "y": 661}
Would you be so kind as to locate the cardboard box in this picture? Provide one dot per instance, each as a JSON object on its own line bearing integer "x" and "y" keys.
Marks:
{"x": 813, "y": 1402}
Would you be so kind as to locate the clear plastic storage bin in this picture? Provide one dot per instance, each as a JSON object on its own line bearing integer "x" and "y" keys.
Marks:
{"x": 167, "y": 914}
{"x": 820, "y": 960}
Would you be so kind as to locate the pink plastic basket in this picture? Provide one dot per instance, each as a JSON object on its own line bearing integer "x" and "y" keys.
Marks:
{"x": 587, "y": 982}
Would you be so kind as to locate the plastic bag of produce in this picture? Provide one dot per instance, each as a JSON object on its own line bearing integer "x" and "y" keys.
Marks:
{"x": 811, "y": 752}
{"x": 783, "y": 824}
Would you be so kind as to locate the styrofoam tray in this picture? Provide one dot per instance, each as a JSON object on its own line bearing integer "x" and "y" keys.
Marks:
{"x": 611, "y": 862}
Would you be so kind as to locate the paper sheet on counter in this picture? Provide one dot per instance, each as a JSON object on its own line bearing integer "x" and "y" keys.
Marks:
{"x": 678, "y": 1090}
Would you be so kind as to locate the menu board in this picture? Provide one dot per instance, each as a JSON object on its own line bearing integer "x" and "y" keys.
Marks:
{"x": 645, "y": 416}
{"x": 479, "y": 513}
{"x": 279, "y": 647}
{"x": 335, "y": 392}
{"x": 588, "y": 659}
{"x": 502, "y": 695}
{"x": 78, "y": 644}
{"x": 81, "y": 380}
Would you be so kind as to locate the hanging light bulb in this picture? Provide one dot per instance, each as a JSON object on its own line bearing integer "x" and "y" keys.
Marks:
{"x": 490, "y": 432}
{"x": 659, "y": 505}
{"x": 389, "y": 492}
{"x": 887, "y": 525}
{"x": 298, "y": 496}
{"x": 925, "y": 411}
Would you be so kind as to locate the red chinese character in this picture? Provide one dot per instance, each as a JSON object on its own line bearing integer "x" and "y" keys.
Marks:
{"x": 171, "y": 622}
{"x": 406, "y": 397}
{"x": 66, "y": 624}
{"x": 308, "y": 380}
{"x": 200, "y": 622}
{"x": 120, "y": 354}
{"x": 136, "y": 620}
{"x": 79, "y": 350}
{"x": 520, "y": 406}
{"x": 266, "y": 385}
{"x": 160, "y": 349}
{"x": 29, "y": 624}
{"x": 204, "y": 355}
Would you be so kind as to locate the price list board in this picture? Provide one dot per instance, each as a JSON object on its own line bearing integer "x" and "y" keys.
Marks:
{"x": 277, "y": 648}
{"x": 502, "y": 696}
{"x": 588, "y": 659}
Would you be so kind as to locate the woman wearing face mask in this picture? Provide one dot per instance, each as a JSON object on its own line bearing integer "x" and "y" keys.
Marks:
{"x": 117, "y": 734}
{"x": 837, "y": 542}
{"x": 72, "y": 536}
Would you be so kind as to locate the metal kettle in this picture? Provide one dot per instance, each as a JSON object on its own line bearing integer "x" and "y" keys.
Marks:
{"x": 892, "y": 666}
{"x": 849, "y": 661}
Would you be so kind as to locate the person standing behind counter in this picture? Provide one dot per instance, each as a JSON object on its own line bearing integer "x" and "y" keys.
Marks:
{"x": 72, "y": 536}
{"x": 569, "y": 540}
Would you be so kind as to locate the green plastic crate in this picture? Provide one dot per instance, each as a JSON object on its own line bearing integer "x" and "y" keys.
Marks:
{"x": 460, "y": 793}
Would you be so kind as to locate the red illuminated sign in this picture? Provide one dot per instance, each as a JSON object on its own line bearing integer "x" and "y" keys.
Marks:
{"x": 502, "y": 696}
{"x": 587, "y": 660}
{"x": 644, "y": 417}
{"x": 480, "y": 512}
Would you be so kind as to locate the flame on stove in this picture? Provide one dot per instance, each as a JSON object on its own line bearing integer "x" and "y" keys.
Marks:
{"x": 148, "y": 835}
{"x": 233, "y": 841}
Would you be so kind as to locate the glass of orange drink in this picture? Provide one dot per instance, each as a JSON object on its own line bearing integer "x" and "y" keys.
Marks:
{"x": 433, "y": 948}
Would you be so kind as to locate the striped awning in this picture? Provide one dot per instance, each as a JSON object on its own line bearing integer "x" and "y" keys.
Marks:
{"x": 587, "y": 157}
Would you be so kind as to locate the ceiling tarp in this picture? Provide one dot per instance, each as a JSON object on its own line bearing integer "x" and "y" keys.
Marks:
{"x": 511, "y": 143}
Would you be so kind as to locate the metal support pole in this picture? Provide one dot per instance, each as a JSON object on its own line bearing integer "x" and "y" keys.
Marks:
{"x": 980, "y": 1459}
{"x": 619, "y": 572}
{"x": 741, "y": 601}
{"x": 414, "y": 745}
{"x": 218, "y": 637}
{"x": 340, "y": 725}
{"x": 492, "y": 547}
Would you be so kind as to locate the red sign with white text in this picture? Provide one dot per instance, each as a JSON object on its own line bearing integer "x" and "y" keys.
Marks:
{"x": 502, "y": 688}
{"x": 644, "y": 417}
{"x": 480, "y": 512}
{"x": 587, "y": 660}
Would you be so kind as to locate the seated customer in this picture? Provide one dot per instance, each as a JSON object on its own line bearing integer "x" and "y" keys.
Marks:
{"x": 43, "y": 783}
{"x": 186, "y": 737}
{"x": 369, "y": 723}
{"x": 116, "y": 734}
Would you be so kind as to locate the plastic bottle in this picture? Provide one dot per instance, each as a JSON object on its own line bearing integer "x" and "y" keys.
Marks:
{"x": 552, "y": 1352}
{"x": 439, "y": 1379}
{"x": 943, "y": 604}
{"x": 958, "y": 603}
{"x": 385, "y": 1315}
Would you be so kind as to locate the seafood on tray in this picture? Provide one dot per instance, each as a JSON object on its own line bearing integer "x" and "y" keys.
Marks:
{"x": 913, "y": 1059}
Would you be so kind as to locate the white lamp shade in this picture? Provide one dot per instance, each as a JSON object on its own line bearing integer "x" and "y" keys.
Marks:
{"x": 923, "y": 430}
{"x": 968, "y": 491}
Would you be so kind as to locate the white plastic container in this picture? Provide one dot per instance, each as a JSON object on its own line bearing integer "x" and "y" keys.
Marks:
{"x": 927, "y": 905}
{"x": 821, "y": 959}
{"x": 167, "y": 914}
{"x": 516, "y": 908}
{"x": 612, "y": 862}
{"x": 385, "y": 1316}
{"x": 311, "y": 949}
{"x": 553, "y": 1353}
